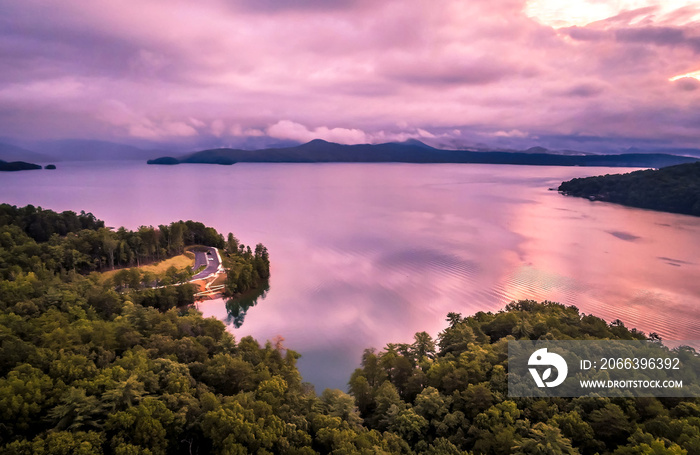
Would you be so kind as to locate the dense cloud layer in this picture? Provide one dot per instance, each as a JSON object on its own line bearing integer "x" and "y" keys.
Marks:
{"x": 350, "y": 71}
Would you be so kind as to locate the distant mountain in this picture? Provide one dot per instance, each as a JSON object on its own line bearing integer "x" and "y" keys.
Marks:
{"x": 9, "y": 152}
{"x": 536, "y": 150}
{"x": 413, "y": 151}
{"x": 666, "y": 151}
{"x": 672, "y": 189}
{"x": 92, "y": 150}
{"x": 415, "y": 142}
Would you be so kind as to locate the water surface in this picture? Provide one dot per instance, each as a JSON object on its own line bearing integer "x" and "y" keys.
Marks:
{"x": 366, "y": 254}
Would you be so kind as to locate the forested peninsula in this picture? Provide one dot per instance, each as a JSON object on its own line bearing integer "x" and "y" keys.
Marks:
{"x": 89, "y": 366}
{"x": 673, "y": 189}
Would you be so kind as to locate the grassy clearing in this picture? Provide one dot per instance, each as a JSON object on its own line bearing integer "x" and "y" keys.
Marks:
{"x": 179, "y": 262}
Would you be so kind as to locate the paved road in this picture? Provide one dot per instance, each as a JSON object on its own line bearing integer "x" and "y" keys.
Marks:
{"x": 210, "y": 259}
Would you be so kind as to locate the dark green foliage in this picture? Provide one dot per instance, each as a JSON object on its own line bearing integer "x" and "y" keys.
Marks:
{"x": 455, "y": 400}
{"x": 41, "y": 224}
{"x": 117, "y": 368}
{"x": 246, "y": 270}
{"x": 89, "y": 367}
{"x": 165, "y": 298}
{"x": 39, "y": 240}
{"x": 673, "y": 189}
{"x": 196, "y": 233}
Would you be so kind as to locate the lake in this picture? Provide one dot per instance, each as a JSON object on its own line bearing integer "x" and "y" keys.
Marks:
{"x": 367, "y": 254}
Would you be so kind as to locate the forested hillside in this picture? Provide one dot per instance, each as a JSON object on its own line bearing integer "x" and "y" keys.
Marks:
{"x": 81, "y": 243}
{"x": 452, "y": 393}
{"x": 673, "y": 189}
{"x": 88, "y": 367}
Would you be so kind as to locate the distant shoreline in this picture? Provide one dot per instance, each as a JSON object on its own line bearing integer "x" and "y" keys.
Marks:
{"x": 318, "y": 151}
{"x": 15, "y": 166}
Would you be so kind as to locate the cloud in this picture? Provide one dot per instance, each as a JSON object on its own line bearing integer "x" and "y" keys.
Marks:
{"x": 659, "y": 36}
{"x": 663, "y": 36}
{"x": 45, "y": 90}
{"x": 140, "y": 126}
{"x": 238, "y": 131}
{"x": 348, "y": 71}
{"x": 559, "y": 14}
{"x": 196, "y": 122}
{"x": 511, "y": 133}
{"x": 286, "y": 129}
{"x": 163, "y": 130}
{"x": 218, "y": 127}
{"x": 583, "y": 90}
{"x": 447, "y": 71}
{"x": 282, "y": 6}
{"x": 687, "y": 84}
{"x": 585, "y": 34}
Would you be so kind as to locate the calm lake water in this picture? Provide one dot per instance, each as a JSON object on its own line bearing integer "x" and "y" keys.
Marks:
{"x": 366, "y": 254}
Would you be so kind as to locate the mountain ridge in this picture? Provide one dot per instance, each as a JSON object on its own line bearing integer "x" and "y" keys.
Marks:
{"x": 414, "y": 151}
{"x": 11, "y": 152}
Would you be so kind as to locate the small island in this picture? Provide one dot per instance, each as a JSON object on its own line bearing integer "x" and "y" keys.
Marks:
{"x": 214, "y": 158}
{"x": 50, "y": 166}
{"x": 17, "y": 166}
{"x": 167, "y": 160}
{"x": 674, "y": 189}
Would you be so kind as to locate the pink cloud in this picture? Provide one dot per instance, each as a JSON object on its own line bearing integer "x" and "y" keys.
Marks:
{"x": 348, "y": 72}
{"x": 286, "y": 129}
{"x": 511, "y": 133}
{"x": 151, "y": 130}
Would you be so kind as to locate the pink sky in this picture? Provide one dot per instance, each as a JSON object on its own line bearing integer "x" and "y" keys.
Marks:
{"x": 352, "y": 71}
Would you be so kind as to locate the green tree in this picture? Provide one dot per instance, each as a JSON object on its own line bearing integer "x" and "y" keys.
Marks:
{"x": 423, "y": 346}
{"x": 610, "y": 424}
{"x": 544, "y": 439}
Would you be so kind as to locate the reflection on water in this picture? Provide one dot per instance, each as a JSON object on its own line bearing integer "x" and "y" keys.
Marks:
{"x": 237, "y": 308}
{"x": 366, "y": 254}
